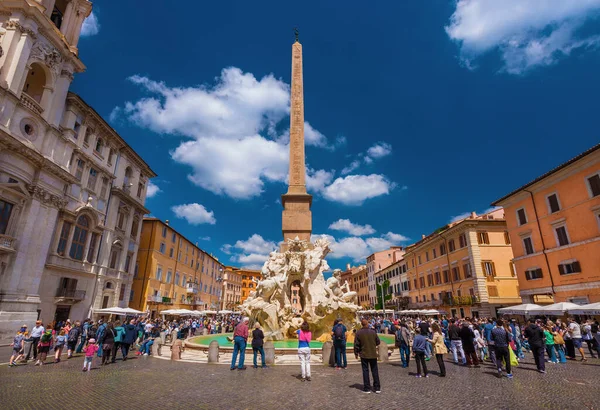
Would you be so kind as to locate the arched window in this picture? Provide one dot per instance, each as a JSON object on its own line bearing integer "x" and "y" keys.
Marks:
{"x": 79, "y": 238}
{"x": 108, "y": 285}
{"x": 35, "y": 82}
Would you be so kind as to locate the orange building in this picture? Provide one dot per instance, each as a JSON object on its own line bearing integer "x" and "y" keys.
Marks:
{"x": 378, "y": 261}
{"x": 232, "y": 288}
{"x": 171, "y": 272}
{"x": 360, "y": 285}
{"x": 249, "y": 280}
{"x": 463, "y": 268}
{"x": 554, "y": 226}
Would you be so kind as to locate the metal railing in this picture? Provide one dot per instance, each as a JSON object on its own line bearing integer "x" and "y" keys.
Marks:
{"x": 7, "y": 242}
{"x": 70, "y": 293}
{"x": 191, "y": 288}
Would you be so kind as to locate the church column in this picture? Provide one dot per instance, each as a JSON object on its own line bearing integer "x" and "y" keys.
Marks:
{"x": 21, "y": 44}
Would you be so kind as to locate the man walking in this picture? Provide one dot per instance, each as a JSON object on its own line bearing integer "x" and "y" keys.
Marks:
{"x": 240, "y": 337}
{"x": 456, "y": 342}
{"x": 501, "y": 340}
{"x": 365, "y": 346}
{"x": 535, "y": 337}
{"x": 575, "y": 331}
{"x": 339, "y": 343}
{"x": 403, "y": 338}
{"x": 36, "y": 334}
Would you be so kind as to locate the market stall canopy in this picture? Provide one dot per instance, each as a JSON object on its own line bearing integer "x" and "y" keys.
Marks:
{"x": 112, "y": 311}
{"x": 555, "y": 309}
{"x": 225, "y": 312}
{"x": 591, "y": 309}
{"x": 210, "y": 312}
{"x": 523, "y": 309}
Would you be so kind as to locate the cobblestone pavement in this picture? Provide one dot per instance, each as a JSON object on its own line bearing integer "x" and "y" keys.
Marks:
{"x": 149, "y": 383}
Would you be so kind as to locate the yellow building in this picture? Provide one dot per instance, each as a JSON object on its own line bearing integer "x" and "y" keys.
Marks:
{"x": 171, "y": 272}
{"x": 232, "y": 288}
{"x": 360, "y": 285}
{"x": 464, "y": 268}
{"x": 249, "y": 280}
{"x": 554, "y": 226}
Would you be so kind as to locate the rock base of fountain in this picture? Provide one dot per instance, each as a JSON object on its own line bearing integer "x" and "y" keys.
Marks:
{"x": 301, "y": 266}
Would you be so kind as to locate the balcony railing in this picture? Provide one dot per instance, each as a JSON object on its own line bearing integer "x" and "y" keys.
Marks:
{"x": 7, "y": 243}
{"x": 30, "y": 103}
{"x": 461, "y": 300}
{"x": 74, "y": 294}
{"x": 160, "y": 299}
{"x": 191, "y": 288}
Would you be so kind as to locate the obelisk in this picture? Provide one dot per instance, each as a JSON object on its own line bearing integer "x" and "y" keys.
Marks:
{"x": 297, "y": 217}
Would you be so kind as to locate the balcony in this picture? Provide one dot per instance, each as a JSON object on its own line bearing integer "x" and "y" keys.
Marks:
{"x": 7, "y": 243}
{"x": 191, "y": 288}
{"x": 65, "y": 263}
{"x": 64, "y": 295}
{"x": 160, "y": 299}
{"x": 30, "y": 103}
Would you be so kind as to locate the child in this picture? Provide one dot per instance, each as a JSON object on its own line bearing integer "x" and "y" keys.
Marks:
{"x": 17, "y": 345}
{"x": 419, "y": 344}
{"x": 61, "y": 340}
{"x": 45, "y": 344}
{"x": 89, "y": 351}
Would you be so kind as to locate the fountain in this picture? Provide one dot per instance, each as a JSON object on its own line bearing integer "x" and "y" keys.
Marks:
{"x": 300, "y": 264}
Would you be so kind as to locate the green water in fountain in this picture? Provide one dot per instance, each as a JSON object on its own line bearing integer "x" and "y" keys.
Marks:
{"x": 279, "y": 344}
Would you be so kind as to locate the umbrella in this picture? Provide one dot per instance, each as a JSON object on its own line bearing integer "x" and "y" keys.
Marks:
{"x": 523, "y": 309}
{"x": 555, "y": 309}
{"x": 590, "y": 309}
{"x": 131, "y": 311}
{"x": 112, "y": 311}
{"x": 168, "y": 312}
{"x": 210, "y": 312}
{"x": 226, "y": 312}
{"x": 431, "y": 312}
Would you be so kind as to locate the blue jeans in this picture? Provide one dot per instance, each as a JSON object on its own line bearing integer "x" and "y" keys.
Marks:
{"x": 340, "y": 353}
{"x": 560, "y": 350}
{"x": 457, "y": 345}
{"x": 239, "y": 346}
{"x": 147, "y": 346}
{"x": 404, "y": 354}
{"x": 260, "y": 350}
{"x": 80, "y": 345}
{"x": 428, "y": 350}
{"x": 551, "y": 353}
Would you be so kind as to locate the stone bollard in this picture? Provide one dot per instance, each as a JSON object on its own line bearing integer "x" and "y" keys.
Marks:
{"x": 204, "y": 331}
{"x": 156, "y": 347}
{"x": 383, "y": 352}
{"x": 269, "y": 349}
{"x": 385, "y": 331}
{"x": 163, "y": 337}
{"x": 327, "y": 350}
{"x": 213, "y": 352}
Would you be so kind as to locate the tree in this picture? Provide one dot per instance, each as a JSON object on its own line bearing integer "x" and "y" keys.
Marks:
{"x": 385, "y": 285}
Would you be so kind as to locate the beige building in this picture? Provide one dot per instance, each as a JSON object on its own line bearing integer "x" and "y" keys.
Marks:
{"x": 232, "y": 288}
{"x": 359, "y": 283}
{"x": 72, "y": 191}
{"x": 396, "y": 275}
{"x": 378, "y": 261}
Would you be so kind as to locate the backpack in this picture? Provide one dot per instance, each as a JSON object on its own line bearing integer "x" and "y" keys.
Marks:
{"x": 73, "y": 335}
{"x": 46, "y": 337}
{"x": 338, "y": 332}
{"x": 398, "y": 341}
{"x": 91, "y": 332}
{"x": 584, "y": 329}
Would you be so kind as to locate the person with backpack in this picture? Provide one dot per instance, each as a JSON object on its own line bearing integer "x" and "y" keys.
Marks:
{"x": 45, "y": 344}
{"x": 128, "y": 338}
{"x": 73, "y": 338}
{"x": 17, "y": 346}
{"x": 60, "y": 342}
{"x": 403, "y": 338}
{"x": 107, "y": 341}
{"x": 99, "y": 336}
{"x": 339, "y": 344}
{"x": 119, "y": 335}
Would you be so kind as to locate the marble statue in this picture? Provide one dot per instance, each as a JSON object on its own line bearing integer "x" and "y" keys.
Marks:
{"x": 302, "y": 264}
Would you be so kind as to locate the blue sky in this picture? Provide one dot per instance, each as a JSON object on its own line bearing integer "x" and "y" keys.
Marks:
{"x": 416, "y": 112}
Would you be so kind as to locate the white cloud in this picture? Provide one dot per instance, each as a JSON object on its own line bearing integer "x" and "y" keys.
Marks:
{"x": 152, "y": 190}
{"x": 527, "y": 33}
{"x": 359, "y": 248}
{"x": 355, "y": 189}
{"x": 351, "y": 167}
{"x": 195, "y": 214}
{"x": 345, "y": 225}
{"x": 90, "y": 26}
{"x": 204, "y": 238}
{"x": 251, "y": 253}
{"x": 317, "y": 180}
{"x": 379, "y": 150}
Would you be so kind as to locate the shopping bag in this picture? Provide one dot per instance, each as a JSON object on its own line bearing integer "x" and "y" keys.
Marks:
{"x": 513, "y": 358}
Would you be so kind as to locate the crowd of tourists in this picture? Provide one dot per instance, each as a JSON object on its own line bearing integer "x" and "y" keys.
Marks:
{"x": 104, "y": 339}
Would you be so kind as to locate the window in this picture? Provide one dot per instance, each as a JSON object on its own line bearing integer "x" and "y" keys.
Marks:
{"x": 64, "y": 237}
{"x": 128, "y": 261}
{"x": 455, "y": 274}
{"x": 521, "y": 216}
{"x": 569, "y": 267}
{"x": 90, "y": 256}
{"x": 104, "y": 187}
{"x": 492, "y": 291}
{"x": 122, "y": 292}
{"x": 5, "y": 211}
{"x": 79, "y": 169}
{"x": 467, "y": 270}
{"x": 562, "y": 238}
{"x": 415, "y": 284}
{"x": 451, "y": 245}
{"x": 140, "y": 189}
{"x": 121, "y": 219}
{"x": 183, "y": 282}
{"x": 506, "y": 238}
{"x": 446, "y": 276}
{"x": 159, "y": 273}
{"x": 177, "y": 278}
{"x": 174, "y": 237}
{"x": 422, "y": 282}
{"x": 164, "y": 232}
{"x": 111, "y": 153}
{"x": 594, "y": 184}
{"x": 171, "y": 252}
{"x": 532, "y": 274}
{"x": 162, "y": 248}
{"x": 88, "y": 132}
{"x": 77, "y": 126}
{"x": 462, "y": 241}
{"x": 488, "y": 268}
{"x": 99, "y": 145}
{"x": 79, "y": 238}
{"x": 553, "y": 205}
{"x": 430, "y": 280}
{"x": 438, "y": 278}
{"x": 169, "y": 275}
{"x": 427, "y": 256}
{"x": 114, "y": 257}
{"x": 528, "y": 245}
{"x": 91, "y": 183}
{"x": 434, "y": 251}
{"x": 443, "y": 249}
{"x": 419, "y": 257}
{"x": 483, "y": 238}
{"x": 134, "y": 227}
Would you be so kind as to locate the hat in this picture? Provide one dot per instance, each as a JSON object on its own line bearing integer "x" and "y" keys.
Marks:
{"x": 92, "y": 340}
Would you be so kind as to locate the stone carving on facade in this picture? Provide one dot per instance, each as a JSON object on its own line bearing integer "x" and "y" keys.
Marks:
{"x": 47, "y": 54}
{"x": 301, "y": 265}
{"x": 68, "y": 74}
{"x": 46, "y": 197}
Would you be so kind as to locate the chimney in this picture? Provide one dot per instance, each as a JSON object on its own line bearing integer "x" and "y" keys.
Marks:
{"x": 167, "y": 222}
{"x": 473, "y": 215}
{"x": 347, "y": 266}
{"x": 422, "y": 236}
